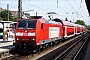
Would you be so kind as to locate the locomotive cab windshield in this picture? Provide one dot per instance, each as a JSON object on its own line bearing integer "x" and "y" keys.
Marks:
{"x": 30, "y": 24}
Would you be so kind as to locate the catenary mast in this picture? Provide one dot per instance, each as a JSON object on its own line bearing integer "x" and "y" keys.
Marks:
{"x": 19, "y": 8}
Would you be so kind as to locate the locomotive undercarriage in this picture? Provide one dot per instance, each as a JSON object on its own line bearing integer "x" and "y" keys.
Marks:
{"x": 32, "y": 47}
{"x": 46, "y": 45}
{"x": 25, "y": 46}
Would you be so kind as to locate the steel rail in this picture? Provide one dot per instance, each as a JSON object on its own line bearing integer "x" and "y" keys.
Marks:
{"x": 80, "y": 49}
{"x": 63, "y": 53}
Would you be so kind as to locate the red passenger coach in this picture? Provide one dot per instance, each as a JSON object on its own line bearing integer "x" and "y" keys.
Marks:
{"x": 79, "y": 29}
{"x": 34, "y": 33}
{"x": 69, "y": 29}
{"x": 82, "y": 28}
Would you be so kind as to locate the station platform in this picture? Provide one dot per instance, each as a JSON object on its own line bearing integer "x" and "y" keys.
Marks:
{"x": 6, "y": 46}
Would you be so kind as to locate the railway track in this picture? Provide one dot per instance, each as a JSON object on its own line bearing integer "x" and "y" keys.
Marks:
{"x": 42, "y": 54}
{"x": 69, "y": 51}
{"x": 73, "y": 51}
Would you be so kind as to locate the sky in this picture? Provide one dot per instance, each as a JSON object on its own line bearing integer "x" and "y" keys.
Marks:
{"x": 71, "y": 9}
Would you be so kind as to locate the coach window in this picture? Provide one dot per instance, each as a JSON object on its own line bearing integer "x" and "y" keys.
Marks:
{"x": 42, "y": 26}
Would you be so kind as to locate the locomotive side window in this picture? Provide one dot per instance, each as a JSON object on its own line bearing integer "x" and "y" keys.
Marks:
{"x": 42, "y": 26}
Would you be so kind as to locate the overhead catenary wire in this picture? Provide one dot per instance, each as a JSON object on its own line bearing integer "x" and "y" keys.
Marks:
{"x": 47, "y": 3}
{"x": 70, "y": 5}
{"x": 74, "y": 8}
{"x": 80, "y": 8}
{"x": 79, "y": 5}
{"x": 38, "y": 7}
{"x": 57, "y": 7}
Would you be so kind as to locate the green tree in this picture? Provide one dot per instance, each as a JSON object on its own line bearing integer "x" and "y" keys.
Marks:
{"x": 4, "y": 16}
{"x": 87, "y": 27}
{"x": 80, "y": 22}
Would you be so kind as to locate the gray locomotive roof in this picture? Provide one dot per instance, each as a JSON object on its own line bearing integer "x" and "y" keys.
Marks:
{"x": 52, "y": 22}
{"x": 68, "y": 23}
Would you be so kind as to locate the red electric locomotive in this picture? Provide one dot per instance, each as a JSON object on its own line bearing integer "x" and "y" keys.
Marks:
{"x": 36, "y": 33}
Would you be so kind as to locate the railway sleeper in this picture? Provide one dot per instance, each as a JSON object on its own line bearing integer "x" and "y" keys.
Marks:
{"x": 73, "y": 52}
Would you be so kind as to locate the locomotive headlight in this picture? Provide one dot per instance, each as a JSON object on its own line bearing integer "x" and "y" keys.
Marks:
{"x": 32, "y": 39}
{"x": 18, "y": 38}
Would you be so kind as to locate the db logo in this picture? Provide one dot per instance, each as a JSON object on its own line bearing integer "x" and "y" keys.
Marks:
{"x": 25, "y": 34}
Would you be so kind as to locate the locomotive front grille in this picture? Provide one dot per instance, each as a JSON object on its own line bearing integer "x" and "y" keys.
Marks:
{"x": 25, "y": 39}
{"x": 25, "y": 44}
